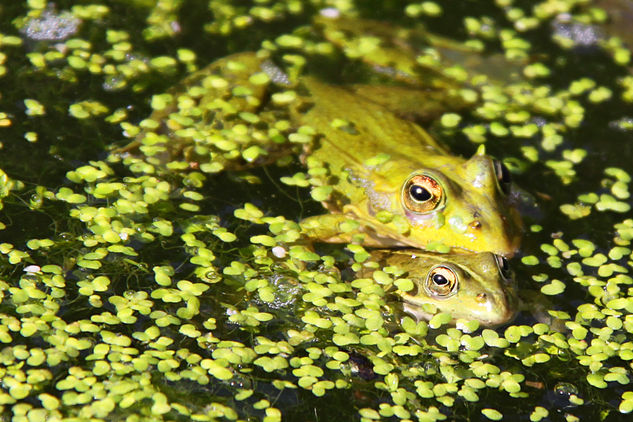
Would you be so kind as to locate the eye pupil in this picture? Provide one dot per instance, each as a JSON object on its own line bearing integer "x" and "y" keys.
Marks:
{"x": 419, "y": 193}
{"x": 440, "y": 280}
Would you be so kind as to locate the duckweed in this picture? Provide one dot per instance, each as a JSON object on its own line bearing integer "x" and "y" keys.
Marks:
{"x": 188, "y": 301}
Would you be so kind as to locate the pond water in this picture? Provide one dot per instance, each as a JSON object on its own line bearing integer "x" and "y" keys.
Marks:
{"x": 159, "y": 287}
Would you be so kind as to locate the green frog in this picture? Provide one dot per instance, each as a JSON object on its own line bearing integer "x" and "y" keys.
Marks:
{"x": 384, "y": 180}
{"x": 477, "y": 286}
{"x": 402, "y": 186}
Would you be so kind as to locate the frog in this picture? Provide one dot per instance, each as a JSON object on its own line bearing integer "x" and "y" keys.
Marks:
{"x": 387, "y": 181}
{"x": 476, "y": 286}
{"x": 401, "y": 185}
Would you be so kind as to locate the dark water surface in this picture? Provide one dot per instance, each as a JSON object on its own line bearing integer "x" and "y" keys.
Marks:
{"x": 169, "y": 324}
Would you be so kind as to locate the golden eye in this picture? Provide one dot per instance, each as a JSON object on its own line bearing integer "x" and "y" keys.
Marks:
{"x": 504, "y": 267}
{"x": 503, "y": 176}
{"x": 421, "y": 194}
{"x": 441, "y": 281}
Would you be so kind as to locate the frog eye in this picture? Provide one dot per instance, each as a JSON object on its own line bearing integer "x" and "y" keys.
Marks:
{"x": 441, "y": 281}
{"x": 504, "y": 267}
{"x": 421, "y": 194}
{"x": 503, "y": 176}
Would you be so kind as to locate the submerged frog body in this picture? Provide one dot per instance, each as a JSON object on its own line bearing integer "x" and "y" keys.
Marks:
{"x": 470, "y": 286}
{"x": 383, "y": 171}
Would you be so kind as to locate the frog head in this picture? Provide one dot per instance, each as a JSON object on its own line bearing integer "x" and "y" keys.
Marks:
{"x": 465, "y": 202}
{"x": 470, "y": 286}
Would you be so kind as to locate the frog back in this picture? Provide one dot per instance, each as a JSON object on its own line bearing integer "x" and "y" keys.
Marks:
{"x": 356, "y": 129}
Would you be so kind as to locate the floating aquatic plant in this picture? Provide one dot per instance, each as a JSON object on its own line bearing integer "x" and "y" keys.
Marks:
{"x": 135, "y": 286}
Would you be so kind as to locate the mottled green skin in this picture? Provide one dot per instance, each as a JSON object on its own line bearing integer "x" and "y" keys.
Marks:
{"x": 483, "y": 292}
{"x": 475, "y": 215}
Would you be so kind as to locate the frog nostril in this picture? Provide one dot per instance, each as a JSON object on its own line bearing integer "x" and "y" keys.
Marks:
{"x": 475, "y": 225}
{"x": 481, "y": 297}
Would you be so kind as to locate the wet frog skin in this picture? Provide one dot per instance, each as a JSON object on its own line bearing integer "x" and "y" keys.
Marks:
{"x": 404, "y": 188}
{"x": 475, "y": 286}
{"x": 386, "y": 173}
